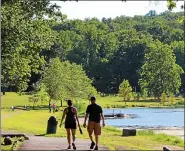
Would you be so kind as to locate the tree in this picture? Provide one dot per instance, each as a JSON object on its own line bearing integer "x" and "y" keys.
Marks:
{"x": 160, "y": 73}
{"x": 40, "y": 96}
{"x": 125, "y": 90}
{"x": 64, "y": 80}
{"x": 24, "y": 34}
{"x": 163, "y": 98}
{"x": 151, "y": 13}
{"x": 171, "y": 99}
{"x": 144, "y": 94}
{"x": 52, "y": 78}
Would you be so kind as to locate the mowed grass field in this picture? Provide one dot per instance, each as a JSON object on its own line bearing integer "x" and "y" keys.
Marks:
{"x": 14, "y": 99}
{"x": 35, "y": 122}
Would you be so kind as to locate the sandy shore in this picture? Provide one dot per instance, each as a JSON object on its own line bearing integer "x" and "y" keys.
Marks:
{"x": 173, "y": 131}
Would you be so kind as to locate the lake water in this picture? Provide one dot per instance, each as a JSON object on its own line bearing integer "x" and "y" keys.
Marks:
{"x": 148, "y": 117}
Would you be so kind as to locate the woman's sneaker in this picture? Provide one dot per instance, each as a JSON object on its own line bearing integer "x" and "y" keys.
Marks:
{"x": 74, "y": 147}
{"x": 92, "y": 145}
{"x": 96, "y": 148}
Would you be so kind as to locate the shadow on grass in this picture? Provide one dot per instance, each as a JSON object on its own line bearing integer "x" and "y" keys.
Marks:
{"x": 40, "y": 134}
{"x": 4, "y": 144}
{"x": 144, "y": 101}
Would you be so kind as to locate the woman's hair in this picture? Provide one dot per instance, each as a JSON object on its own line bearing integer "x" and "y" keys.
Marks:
{"x": 69, "y": 102}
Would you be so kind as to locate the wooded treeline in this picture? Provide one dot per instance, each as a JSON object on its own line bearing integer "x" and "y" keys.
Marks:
{"x": 109, "y": 50}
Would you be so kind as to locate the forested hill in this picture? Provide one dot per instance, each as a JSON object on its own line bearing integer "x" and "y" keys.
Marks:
{"x": 111, "y": 50}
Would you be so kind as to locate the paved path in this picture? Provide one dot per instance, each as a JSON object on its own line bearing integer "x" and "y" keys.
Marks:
{"x": 50, "y": 143}
{"x": 53, "y": 143}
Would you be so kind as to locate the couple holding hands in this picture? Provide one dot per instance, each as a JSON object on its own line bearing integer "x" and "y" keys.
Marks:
{"x": 94, "y": 112}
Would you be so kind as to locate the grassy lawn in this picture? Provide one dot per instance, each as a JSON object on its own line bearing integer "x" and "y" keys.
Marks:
{"x": 35, "y": 122}
{"x": 13, "y": 99}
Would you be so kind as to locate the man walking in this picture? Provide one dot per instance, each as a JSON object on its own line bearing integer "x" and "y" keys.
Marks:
{"x": 95, "y": 113}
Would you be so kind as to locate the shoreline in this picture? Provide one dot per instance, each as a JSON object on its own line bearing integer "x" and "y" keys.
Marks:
{"x": 169, "y": 130}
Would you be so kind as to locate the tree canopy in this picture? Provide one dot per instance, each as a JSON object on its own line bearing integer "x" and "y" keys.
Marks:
{"x": 107, "y": 50}
{"x": 64, "y": 80}
{"x": 159, "y": 73}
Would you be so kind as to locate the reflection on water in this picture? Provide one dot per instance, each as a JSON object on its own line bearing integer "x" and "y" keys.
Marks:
{"x": 148, "y": 117}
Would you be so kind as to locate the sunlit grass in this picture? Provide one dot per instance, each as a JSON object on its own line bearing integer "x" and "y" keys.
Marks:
{"x": 14, "y": 99}
{"x": 35, "y": 122}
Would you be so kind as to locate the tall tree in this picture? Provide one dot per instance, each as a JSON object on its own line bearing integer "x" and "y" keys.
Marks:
{"x": 160, "y": 73}
{"x": 24, "y": 34}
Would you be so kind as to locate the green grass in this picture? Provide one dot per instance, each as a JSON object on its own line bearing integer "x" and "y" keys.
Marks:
{"x": 36, "y": 122}
{"x": 14, "y": 99}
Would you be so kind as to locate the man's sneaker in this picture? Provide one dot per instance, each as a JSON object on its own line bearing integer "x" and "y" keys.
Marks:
{"x": 74, "y": 147}
{"x": 92, "y": 145}
{"x": 96, "y": 148}
{"x": 69, "y": 147}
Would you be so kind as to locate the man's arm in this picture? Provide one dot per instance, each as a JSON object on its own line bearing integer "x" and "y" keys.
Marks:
{"x": 102, "y": 117}
{"x": 86, "y": 116}
{"x": 63, "y": 116}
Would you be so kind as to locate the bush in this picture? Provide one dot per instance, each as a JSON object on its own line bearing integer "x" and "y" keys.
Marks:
{"x": 80, "y": 106}
{"x": 163, "y": 98}
{"x": 180, "y": 98}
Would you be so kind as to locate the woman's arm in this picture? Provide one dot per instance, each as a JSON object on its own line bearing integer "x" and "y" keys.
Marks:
{"x": 76, "y": 115}
{"x": 63, "y": 116}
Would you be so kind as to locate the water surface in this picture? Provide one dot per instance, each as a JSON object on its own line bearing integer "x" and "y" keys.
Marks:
{"x": 148, "y": 117}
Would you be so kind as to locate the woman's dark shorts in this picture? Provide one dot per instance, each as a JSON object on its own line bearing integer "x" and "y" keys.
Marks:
{"x": 71, "y": 125}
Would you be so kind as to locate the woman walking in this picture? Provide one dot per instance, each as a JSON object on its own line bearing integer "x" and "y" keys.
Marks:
{"x": 70, "y": 123}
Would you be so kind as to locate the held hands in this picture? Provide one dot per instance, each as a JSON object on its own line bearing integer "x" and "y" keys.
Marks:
{"x": 103, "y": 124}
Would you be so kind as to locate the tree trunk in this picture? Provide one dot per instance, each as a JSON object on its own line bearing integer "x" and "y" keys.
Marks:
{"x": 33, "y": 105}
{"x": 60, "y": 103}
{"x": 3, "y": 90}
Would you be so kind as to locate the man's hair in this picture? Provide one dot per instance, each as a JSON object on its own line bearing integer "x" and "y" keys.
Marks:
{"x": 69, "y": 102}
{"x": 93, "y": 98}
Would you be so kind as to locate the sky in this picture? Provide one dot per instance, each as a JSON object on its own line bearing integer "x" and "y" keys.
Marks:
{"x": 100, "y": 9}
